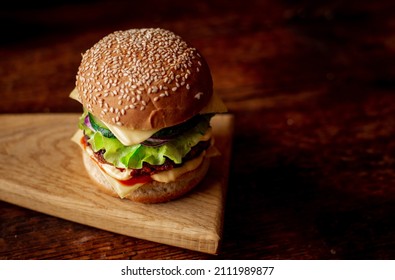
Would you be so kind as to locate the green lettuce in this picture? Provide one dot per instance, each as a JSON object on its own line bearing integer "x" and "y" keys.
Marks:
{"x": 135, "y": 155}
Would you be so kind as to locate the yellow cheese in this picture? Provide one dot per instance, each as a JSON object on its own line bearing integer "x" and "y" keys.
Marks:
{"x": 120, "y": 189}
{"x": 130, "y": 137}
{"x": 172, "y": 174}
{"x": 77, "y": 138}
{"x": 215, "y": 105}
{"x": 74, "y": 95}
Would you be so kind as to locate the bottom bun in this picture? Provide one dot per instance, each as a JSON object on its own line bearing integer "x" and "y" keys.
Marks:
{"x": 152, "y": 192}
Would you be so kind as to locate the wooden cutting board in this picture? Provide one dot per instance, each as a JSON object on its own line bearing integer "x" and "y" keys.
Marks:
{"x": 41, "y": 169}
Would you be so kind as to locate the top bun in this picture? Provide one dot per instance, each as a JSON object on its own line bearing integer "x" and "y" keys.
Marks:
{"x": 143, "y": 79}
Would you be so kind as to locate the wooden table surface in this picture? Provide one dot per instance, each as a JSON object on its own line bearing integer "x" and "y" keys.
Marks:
{"x": 312, "y": 89}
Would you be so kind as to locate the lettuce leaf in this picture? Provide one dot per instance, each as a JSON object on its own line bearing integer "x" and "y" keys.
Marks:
{"x": 134, "y": 156}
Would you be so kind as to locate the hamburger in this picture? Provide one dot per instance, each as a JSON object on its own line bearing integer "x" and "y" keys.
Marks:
{"x": 147, "y": 99}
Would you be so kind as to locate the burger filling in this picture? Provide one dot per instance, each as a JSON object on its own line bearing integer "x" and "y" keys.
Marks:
{"x": 172, "y": 143}
{"x": 178, "y": 148}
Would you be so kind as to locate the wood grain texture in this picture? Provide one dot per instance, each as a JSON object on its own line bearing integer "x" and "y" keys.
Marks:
{"x": 42, "y": 170}
{"x": 311, "y": 85}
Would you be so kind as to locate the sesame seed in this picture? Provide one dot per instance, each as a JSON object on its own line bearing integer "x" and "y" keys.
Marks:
{"x": 198, "y": 95}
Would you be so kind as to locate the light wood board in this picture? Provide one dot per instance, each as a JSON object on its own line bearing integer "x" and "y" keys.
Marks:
{"x": 41, "y": 169}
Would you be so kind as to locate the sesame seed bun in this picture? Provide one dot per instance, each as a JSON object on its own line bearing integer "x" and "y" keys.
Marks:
{"x": 153, "y": 192}
{"x": 143, "y": 79}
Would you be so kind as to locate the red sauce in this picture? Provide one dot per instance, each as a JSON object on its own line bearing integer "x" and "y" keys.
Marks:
{"x": 83, "y": 142}
{"x": 136, "y": 180}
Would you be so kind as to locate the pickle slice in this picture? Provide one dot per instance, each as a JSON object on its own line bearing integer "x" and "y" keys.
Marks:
{"x": 99, "y": 126}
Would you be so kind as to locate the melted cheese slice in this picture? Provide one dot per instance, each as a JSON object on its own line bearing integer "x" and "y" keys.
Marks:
{"x": 172, "y": 174}
{"x": 215, "y": 105}
{"x": 74, "y": 95}
{"x": 130, "y": 137}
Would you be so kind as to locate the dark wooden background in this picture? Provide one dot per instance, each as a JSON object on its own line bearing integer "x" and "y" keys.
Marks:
{"x": 312, "y": 88}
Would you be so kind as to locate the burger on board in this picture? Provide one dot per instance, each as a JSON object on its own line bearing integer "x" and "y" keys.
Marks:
{"x": 147, "y": 100}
